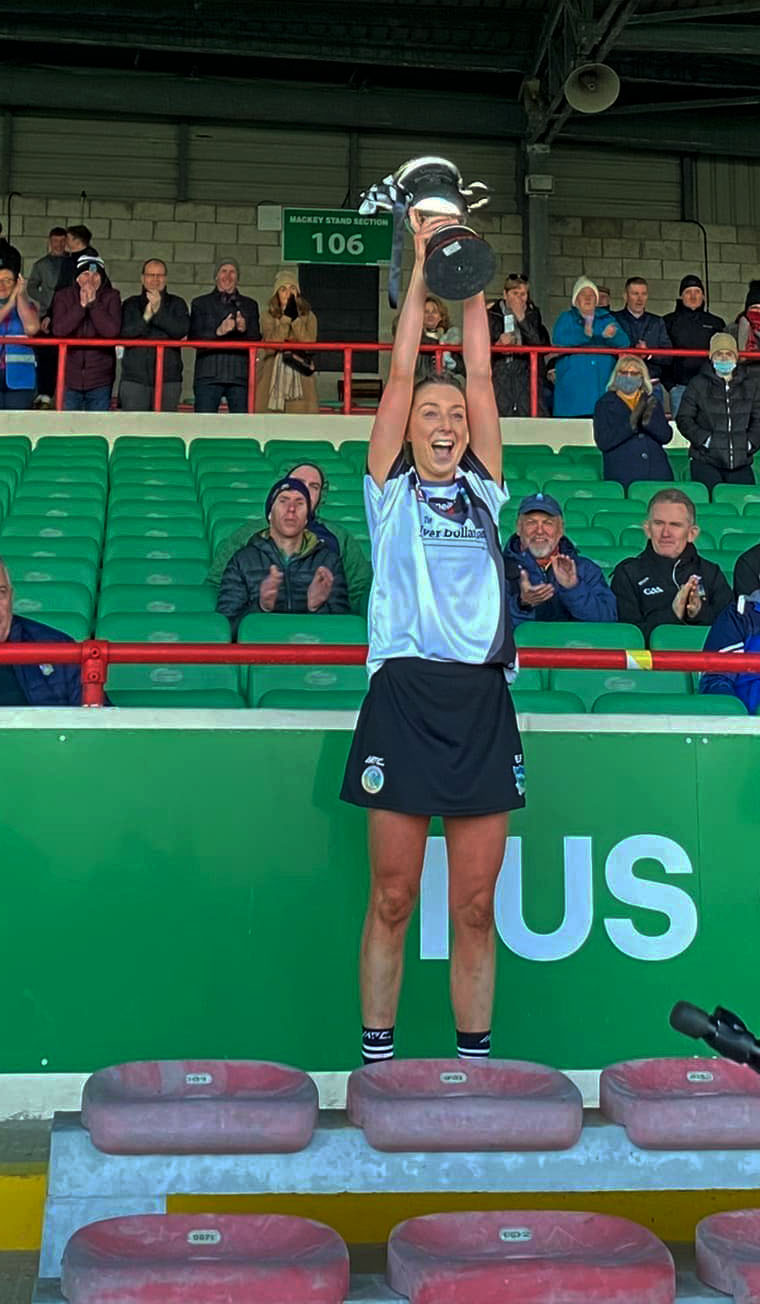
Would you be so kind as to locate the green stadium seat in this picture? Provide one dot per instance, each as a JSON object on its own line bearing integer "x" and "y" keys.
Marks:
{"x": 518, "y": 489}
{"x": 66, "y": 527}
{"x": 606, "y": 557}
{"x": 547, "y": 703}
{"x": 29, "y": 549}
{"x": 751, "y": 510}
{"x": 163, "y": 572}
{"x": 530, "y": 680}
{"x": 574, "y": 472}
{"x": 69, "y": 570}
{"x": 261, "y": 481}
{"x": 232, "y": 466}
{"x": 724, "y": 560}
{"x": 586, "y": 536}
{"x": 18, "y": 443}
{"x": 155, "y": 494}
{"x": 153, "y": 601}
{"x": 354, "y": 452}
{"x": 158, "y": 550}
{"x": 600, "y": 492}
{"x": 668, "y": 704}
{"x": 738, "y": 494}
{"x": 640, "y": 491}
{"x": 85, "y": 471}
{"x": 225, "y": 502}
{"x": 204, "y": 446}
{"x": 185, "y": 527}
{"x": 147, "y": 509}
{"x": 67, "y": 444}
{"x": 35, "y": 599}
{"x": 53, "y": 492}
{"x": 633, "y": 538}
{"x": 221, "y": 527}
{"x": 576, "y": 514}
{"x": 294, "y": 450}
{"x": 583, "y": 454}
{"x": 731, "y": 539}
{"x": 55, "y": 508}
{"x": 578, "y": 633}
{"x": 302, "y": 699}
{"x": 593, "y": 684}
{"x": 164, "y": 444}
{"x": 166, "y": 685}
{"x": 144, "y": 464}
{"x": 304, "y": 629}
{"x": 148, "y": 480}
{"x": 678, "y": 638}
{"x": 526, "y": 451}
{"x": 723, "y": 512}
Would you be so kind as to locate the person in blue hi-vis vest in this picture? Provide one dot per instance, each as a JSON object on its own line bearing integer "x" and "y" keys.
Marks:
{"x": 18, "y": 316}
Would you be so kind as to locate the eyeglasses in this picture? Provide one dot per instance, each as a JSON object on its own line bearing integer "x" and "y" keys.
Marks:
{"x": 518, "y": 276}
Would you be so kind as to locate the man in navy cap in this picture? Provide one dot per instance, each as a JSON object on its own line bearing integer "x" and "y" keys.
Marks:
{"x": 548, "y": 579}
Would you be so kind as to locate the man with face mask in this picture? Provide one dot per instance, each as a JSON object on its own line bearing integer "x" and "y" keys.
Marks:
{"x": 720, "y": 417}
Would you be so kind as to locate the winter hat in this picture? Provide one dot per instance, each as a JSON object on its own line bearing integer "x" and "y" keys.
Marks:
{"x": 227, "y": 262}
{"x": 287, "y": 482}
{"x": 688, "y": 281}
{"x": 583, "y": 283}
{"x": 286, "y": 276}
{"x": 753, "y": 295}
{"x": 90, "y": 263}
{"x": 722, "y": 340}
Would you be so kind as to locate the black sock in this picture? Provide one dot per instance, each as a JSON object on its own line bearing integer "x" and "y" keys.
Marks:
{"x": 473, "y": 1045}
{"x": 377, "y": 1044}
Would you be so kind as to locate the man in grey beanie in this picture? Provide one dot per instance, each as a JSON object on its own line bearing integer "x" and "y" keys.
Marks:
{"x": 224, "y": 314}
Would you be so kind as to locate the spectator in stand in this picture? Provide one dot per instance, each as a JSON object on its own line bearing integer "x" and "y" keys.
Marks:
{"x": 605, "y": 296}
{"x": 154, "y": 314}
{"x": 336, "y": 537}
{"x": 9, "y": 254}
{"x": 720, "y": 416}
{"x": 437, "y": 329}
{"x": 689, "y": 326}
{"x": 551, "y": 580}
{"x": 33, "y": 685}
{"x": 581, "y": 381}
{"x": 226, "y": 314}
{"x": 286, "y": 379}
{"x": 514, "y": 320}
{"x": 747, "y": 572}
{"x": 644, "y": 329}
{"x": 88, "y": 309}
{"x": 44, "y": 280}
{"x": 284, "y": 567}
{"x": 18, "y": 316}
{"x": 78, "y": 242}
{"x": 748, "y": 324}
{"x": 737, "y": 629}
{"x": 669, "y": 583}
{"x": 630, "y": 426}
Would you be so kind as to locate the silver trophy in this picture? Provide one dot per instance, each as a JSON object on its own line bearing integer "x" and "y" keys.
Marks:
{"x": 458, "y": 262}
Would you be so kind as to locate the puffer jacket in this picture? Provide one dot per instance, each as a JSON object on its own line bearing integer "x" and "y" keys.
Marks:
{"x": 688, "y": 328}
{"x": 721, "y": 421}
{"x": 590, "y": 599}
{"x": 646, "y": 585}
{"x": 243, "y": 575}
{"x": 737, "y": 629}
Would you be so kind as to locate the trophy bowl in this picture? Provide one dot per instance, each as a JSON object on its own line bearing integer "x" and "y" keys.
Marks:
{"x": 458, "y": 262}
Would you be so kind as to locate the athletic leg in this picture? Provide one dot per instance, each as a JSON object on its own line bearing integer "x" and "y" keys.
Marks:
{"x": 396, "y": 850}
{"x": 475, "y": 847}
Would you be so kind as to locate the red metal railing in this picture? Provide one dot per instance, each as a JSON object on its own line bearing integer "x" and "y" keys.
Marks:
{"x": 348, "y": 349}
{"x": 95, "y": 656}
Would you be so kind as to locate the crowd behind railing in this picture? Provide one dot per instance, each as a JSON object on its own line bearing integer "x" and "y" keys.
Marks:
{"x": 248, "y": 359}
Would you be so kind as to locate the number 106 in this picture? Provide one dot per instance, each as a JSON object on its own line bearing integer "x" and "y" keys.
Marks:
{"x": 338, "y": 244}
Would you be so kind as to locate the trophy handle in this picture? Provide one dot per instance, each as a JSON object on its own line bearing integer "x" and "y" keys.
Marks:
{"x": 470, "y": 191}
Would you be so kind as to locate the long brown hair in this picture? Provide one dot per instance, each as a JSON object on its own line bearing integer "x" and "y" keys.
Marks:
{"x": 445, "y": 322}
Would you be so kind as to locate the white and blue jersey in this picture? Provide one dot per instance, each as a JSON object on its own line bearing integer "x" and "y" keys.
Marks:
{"x": 439, "y": 588}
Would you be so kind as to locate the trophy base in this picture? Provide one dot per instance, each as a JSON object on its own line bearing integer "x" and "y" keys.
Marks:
{"x": 458, "y": 263}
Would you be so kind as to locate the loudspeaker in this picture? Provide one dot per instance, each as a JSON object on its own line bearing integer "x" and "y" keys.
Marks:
{"x": 592, "y": 88}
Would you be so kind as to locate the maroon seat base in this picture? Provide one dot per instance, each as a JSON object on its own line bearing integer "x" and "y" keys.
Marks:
{"x": 728, "y": 1254}
{"x": 683, "y": 1103}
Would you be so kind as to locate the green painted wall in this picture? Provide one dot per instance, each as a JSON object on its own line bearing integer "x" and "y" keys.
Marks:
{"x": 196, "y": 892}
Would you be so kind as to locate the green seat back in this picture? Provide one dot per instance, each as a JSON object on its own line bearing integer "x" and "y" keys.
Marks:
{"x": 751, "y": 509}
{"x": 34, "y": 599}
{"x": 297, "y": 699}
{"x": 260, "y": 481}
{"x": 724, "y": 560}
{"x": 203, "y": 447}
{"x": 678, "y": 638}
{"x": 181, "y": 475}
{"x": 583, "y": 454}
{"x": 153, "y": 600}
{"x": 67, "y": 444}
{"x": 641, "y": 491}
{"x": 165, "y": 678}
{"x": 731, "y": 540}
{"x": 530, "y": 680}
{"x": 578, "y": 633}
{"x": 525, "y": 451}
{"x": 19, "y": 443}
{"x": 607, "y": 557}
{"x": 163, "y": 444}
{"x": 518, "y": 489}
{"x": 669, "y": 704}
{"x": 298, "y": 450}
{"x": 573, "y": 472}
{"x": 146, "y": 509}
{"x": 135, "y": 547}
{"x": 738, "y": 494}
{"x": 305, "y": 629}
{"x": 160, "y": 573}
{"x": 56, "y": 508}
{"x": 597, "y": 491}
{"x": 617, "y": 517}
{"x": 592, "y": 684}
{"x": 225, "y": 501}
{"x": 83, "y": 491}
{"x": 723, "y": 512}
{"x": 174, "y": 495}
{"x": 69, "y": 570}
{"x": 586, "y": 536}
{"x": 221, "y": 526}
{"x": 576, "y": 513}
{"x": 547, "y": 703}
{"x": 43, "y": 550}
{"x": 175, "y": 527}
{"x": 632, "y": 538}
{"x": 67, "y": 527}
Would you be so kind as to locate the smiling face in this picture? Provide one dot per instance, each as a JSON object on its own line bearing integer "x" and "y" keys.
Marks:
{"x": 437, "y": 431}
{"x": 227, "y": 278}
{"x": 539, "y": 533}
{"x": 7, "y": 282}
{"x": 154, "y": 276}
{"x": 431, "y": 317}
{"x": 670, "y": 528}
{"x": 57, "y": 245}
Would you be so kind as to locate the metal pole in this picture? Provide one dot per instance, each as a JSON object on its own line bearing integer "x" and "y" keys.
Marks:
{"x": 60, "y": 377}
{"x": 158, "y": 384}
{"x": 347, "y": 366}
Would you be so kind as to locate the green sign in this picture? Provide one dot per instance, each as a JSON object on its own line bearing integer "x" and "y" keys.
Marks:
{"x": 335, "y": 235}
{"x": 200, "y": 892}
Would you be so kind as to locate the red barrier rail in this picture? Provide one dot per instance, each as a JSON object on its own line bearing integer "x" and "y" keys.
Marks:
{"x": 95, "y": 656}
{"x": 254, "y": 347}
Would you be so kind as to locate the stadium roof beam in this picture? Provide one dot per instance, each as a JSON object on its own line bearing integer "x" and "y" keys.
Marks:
{"x": 726, "y": 10}
{"x": 572, "y": 35}
{"x": 739, "y": 41}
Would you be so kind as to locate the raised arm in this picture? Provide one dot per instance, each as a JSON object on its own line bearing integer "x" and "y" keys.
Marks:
{"x": 482, "y": 413}
{"x": 393, "y": 413}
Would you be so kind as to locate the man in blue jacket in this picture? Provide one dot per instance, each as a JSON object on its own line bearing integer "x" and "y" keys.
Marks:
{"x": 33, "y": 685}
{"x": 737, "y": 629}
{"x": 547, "y": 578}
